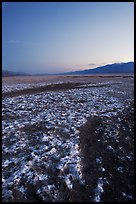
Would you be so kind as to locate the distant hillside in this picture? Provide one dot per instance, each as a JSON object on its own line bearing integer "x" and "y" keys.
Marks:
{"x": 108, "y": 69}
{"x": 6, "y": 73}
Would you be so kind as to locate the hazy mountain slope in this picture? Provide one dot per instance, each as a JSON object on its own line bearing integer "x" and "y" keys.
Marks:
{"x": 6, "y": 73}
{"x": 108, "y": 69}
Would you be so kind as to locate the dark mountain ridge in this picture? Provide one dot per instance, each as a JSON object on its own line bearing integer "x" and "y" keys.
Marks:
{"x": 6, "y": 73}
{"x": 108, "y": 69}
{"x": 116, "y": 68}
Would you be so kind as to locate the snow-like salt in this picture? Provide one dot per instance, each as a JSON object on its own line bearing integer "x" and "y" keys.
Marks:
{"x": 45, "y": 126}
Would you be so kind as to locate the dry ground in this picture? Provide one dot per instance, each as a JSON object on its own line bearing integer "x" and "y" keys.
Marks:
{"x": 106, "y": 139}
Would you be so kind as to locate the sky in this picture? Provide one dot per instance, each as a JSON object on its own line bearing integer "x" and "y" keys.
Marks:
{"x": 43, "y": 37}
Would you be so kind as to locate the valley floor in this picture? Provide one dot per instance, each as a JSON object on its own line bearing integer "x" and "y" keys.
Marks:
{"x": 68, "y": 138}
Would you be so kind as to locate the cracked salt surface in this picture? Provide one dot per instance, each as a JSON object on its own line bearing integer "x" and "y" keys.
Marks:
{"x": 41, "y": 138}
{"x": 99, "y": 189}
{"x": 129, "y": 197}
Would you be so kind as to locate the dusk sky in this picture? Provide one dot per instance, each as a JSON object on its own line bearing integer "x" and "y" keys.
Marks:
{"x": 40, "y": 37}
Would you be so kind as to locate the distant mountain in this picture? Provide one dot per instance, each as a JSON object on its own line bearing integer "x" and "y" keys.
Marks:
{"x": 107, "y": 69}
{"x": 6, "y": 73}
{"x": 116, "y": 68}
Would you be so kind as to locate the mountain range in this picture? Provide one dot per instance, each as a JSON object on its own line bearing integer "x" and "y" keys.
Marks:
{"x": 7, "y": 73}
{"x": 116, "y": 68}
{"x": 108, "y": 69}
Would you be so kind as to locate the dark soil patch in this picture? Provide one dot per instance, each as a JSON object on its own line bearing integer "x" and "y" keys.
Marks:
{"x": 53, "y": 87}
{"x": 119, "y": 168}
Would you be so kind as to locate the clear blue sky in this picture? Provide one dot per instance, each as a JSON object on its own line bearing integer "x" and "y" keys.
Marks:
{"x": 56, "y": 37}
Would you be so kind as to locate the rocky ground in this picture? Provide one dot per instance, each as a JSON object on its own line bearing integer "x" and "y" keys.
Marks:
{"x": 68, "y": 140}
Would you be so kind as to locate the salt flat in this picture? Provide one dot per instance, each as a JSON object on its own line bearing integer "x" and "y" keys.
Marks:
{"x": 45, "y": 143}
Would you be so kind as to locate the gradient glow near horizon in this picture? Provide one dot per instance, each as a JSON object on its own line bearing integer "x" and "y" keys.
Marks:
{"x": 59, "y": 37}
